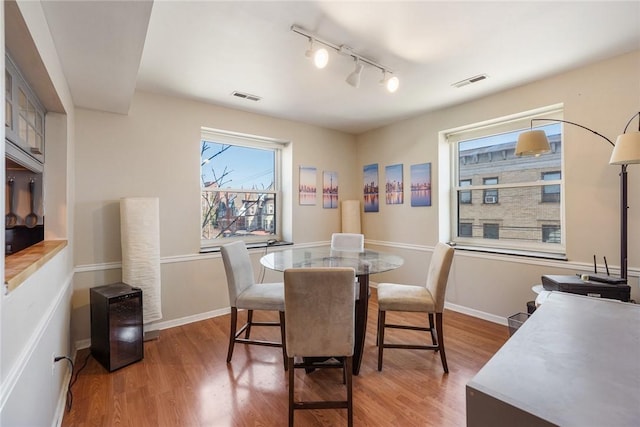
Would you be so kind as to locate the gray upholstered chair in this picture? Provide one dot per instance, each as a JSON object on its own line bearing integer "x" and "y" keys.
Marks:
{"x": 427, "y": 299}
{"x": 347, "y": 242}
{"x": 245, "y": 293}
{"x": 319, "y": 310}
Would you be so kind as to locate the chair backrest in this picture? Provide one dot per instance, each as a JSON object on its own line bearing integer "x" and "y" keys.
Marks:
{"x": 238, "y": 267}
{"x": 319, "y": 311}
{"x": 438, "y": 275}
{"x": 347, "y": 242}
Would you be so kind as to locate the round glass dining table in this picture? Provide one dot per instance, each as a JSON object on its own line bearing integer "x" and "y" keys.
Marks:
{"x": 364, "y": 263}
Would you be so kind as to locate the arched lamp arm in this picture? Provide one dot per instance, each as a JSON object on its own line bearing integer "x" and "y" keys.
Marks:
{"x": 576, "y": 124}
{"x": 630, "y": 120}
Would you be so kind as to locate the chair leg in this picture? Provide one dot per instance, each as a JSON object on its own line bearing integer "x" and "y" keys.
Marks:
{"x": 349, "y": 374}
{"x": 232, "y": 332}
{"x": 432, "y": 330}
{"x": 283, "y": 337}
{"x": 249, "y": 323}
{"x": 378, "y": 329}
{"x": 381, "y": 320}
{"x": 440, "y": 331}
{"x": 291, "y": 383}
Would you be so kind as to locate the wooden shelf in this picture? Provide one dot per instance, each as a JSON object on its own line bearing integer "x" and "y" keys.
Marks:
{"x": 19, "y": 266}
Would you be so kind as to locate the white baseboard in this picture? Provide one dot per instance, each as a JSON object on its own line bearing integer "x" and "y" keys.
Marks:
{"x": 476, "y": 313}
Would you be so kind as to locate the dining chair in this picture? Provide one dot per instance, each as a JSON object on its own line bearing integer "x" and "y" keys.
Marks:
{"x": 245, "y": 293}
{"x": 347, "y": 242}
{"x": 319, "y": 311}
{"x": 411, "y": 298}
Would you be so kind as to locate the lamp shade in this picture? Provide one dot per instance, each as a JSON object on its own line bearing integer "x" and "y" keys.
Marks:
{"x": 354, "y": 78}
{"x": 627, "y": 149}
{"x": 532, "y": 143}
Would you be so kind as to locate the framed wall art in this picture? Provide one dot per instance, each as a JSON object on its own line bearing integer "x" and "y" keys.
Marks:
{"x": 307, "y": 186}
{"x": 421, "y": 184}
{"x": 394, "y": 185}
{"x": 370, "y": 188}
{"x": 330, "y": 190}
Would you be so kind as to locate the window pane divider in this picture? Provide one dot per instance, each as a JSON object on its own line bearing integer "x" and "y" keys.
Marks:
{"x": 539, "y": 183}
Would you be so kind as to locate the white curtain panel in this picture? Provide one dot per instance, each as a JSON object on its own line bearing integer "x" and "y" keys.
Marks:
{"x": 351, "y": 216}
{"x": 140, "y": 236}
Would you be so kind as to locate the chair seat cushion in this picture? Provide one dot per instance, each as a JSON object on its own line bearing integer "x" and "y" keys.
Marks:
{"x": 396, "y": 297}
{"x": 262, "y": 296}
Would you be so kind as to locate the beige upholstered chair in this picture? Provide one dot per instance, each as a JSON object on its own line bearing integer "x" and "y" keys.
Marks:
{"x": 347, "y": 242}
{"x": 319, "y": 310}
{"x": 244, "y": 293}
{"x": 429, "y": 299}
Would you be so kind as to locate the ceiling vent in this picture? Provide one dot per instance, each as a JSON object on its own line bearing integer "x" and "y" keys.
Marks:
{"x": 470, "y": 80}
{"x": 246, "y": 96}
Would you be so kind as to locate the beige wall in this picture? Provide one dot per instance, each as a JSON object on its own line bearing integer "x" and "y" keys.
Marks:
{"x": 155, "y": 152}
{"x": 603, "y": 97}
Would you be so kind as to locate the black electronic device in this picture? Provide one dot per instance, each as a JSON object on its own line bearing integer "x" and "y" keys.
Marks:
{"x": 601, "y": 278}
{"x": 575, "y": 285}
{"x": 117, "y": 336}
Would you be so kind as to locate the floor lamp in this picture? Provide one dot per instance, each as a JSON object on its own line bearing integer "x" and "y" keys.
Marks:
{"x": 626, "y": 151}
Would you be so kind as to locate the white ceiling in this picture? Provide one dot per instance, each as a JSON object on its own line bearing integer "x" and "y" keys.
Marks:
{"x": 205, "y": 50}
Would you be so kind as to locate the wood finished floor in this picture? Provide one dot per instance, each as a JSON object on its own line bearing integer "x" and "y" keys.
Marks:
{"x": 185, "y": 381}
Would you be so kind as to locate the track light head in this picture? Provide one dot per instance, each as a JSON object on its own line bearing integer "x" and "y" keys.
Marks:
{"x": 320, "y": 55}
{"x": 390, "y": 81}
{"x": 354, "y": 78}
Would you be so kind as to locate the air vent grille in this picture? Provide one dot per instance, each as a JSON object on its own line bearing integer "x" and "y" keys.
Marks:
{"x": 247, "y": 96}
{"x": 470, "y": 80}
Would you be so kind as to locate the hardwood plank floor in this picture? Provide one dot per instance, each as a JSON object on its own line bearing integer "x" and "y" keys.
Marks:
{"x": 184, "y": 380}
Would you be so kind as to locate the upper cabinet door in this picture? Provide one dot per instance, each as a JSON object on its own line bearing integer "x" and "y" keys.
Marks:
{"x": 24, "y": 118}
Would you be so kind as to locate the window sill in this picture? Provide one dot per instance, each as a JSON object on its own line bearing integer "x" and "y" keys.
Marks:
{"x": 19, "y": 266}
{"x": 249, "y": 246}
{"x": 514, "y": 252}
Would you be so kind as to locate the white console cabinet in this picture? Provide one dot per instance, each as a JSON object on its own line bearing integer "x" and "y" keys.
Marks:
{"x": 574, "y": 362}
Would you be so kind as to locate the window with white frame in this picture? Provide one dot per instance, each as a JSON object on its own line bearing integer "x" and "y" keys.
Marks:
{"x": 511, "y": 214}
{"x": 240, "y": 188}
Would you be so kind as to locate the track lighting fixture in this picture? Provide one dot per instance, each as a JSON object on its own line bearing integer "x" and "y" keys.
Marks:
{"x": 354, "y": 78}
{"x": 389, "y": 81}
{"x": 321, "y": 58}
{"x": 320, "y": 55}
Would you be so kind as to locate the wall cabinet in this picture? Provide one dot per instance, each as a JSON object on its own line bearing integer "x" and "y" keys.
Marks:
{"x": 24, "y": 115}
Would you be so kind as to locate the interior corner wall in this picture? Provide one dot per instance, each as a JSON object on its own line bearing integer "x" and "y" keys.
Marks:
{"x": 154, "y": 151}
{"x": 35, "y": 317}
{"x": 602, "y": 96}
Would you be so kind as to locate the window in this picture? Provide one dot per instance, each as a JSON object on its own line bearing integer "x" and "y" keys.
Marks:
{"x": 490, "y": 197}
{"x": 465, "y": 229}
{"x": 551, "y": 193}
{"x": 551, "y": 233}
{"x": 510, "y": 189}
{"x": 491, "y": 231}
{"x": 240, "y": 188}
{"x": 465, "y": 196}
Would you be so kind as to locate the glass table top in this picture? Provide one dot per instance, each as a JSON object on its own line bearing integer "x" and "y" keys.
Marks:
{"x": 366, "y": 262}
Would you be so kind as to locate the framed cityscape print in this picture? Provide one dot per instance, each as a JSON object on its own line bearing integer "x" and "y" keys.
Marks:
{"x": 307, "y": 186}
{"x": 370, "y": 188}
{"x": 330, "y": 190}
{"x": 394, "y": 186}
{"x": 421, "y": 184}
